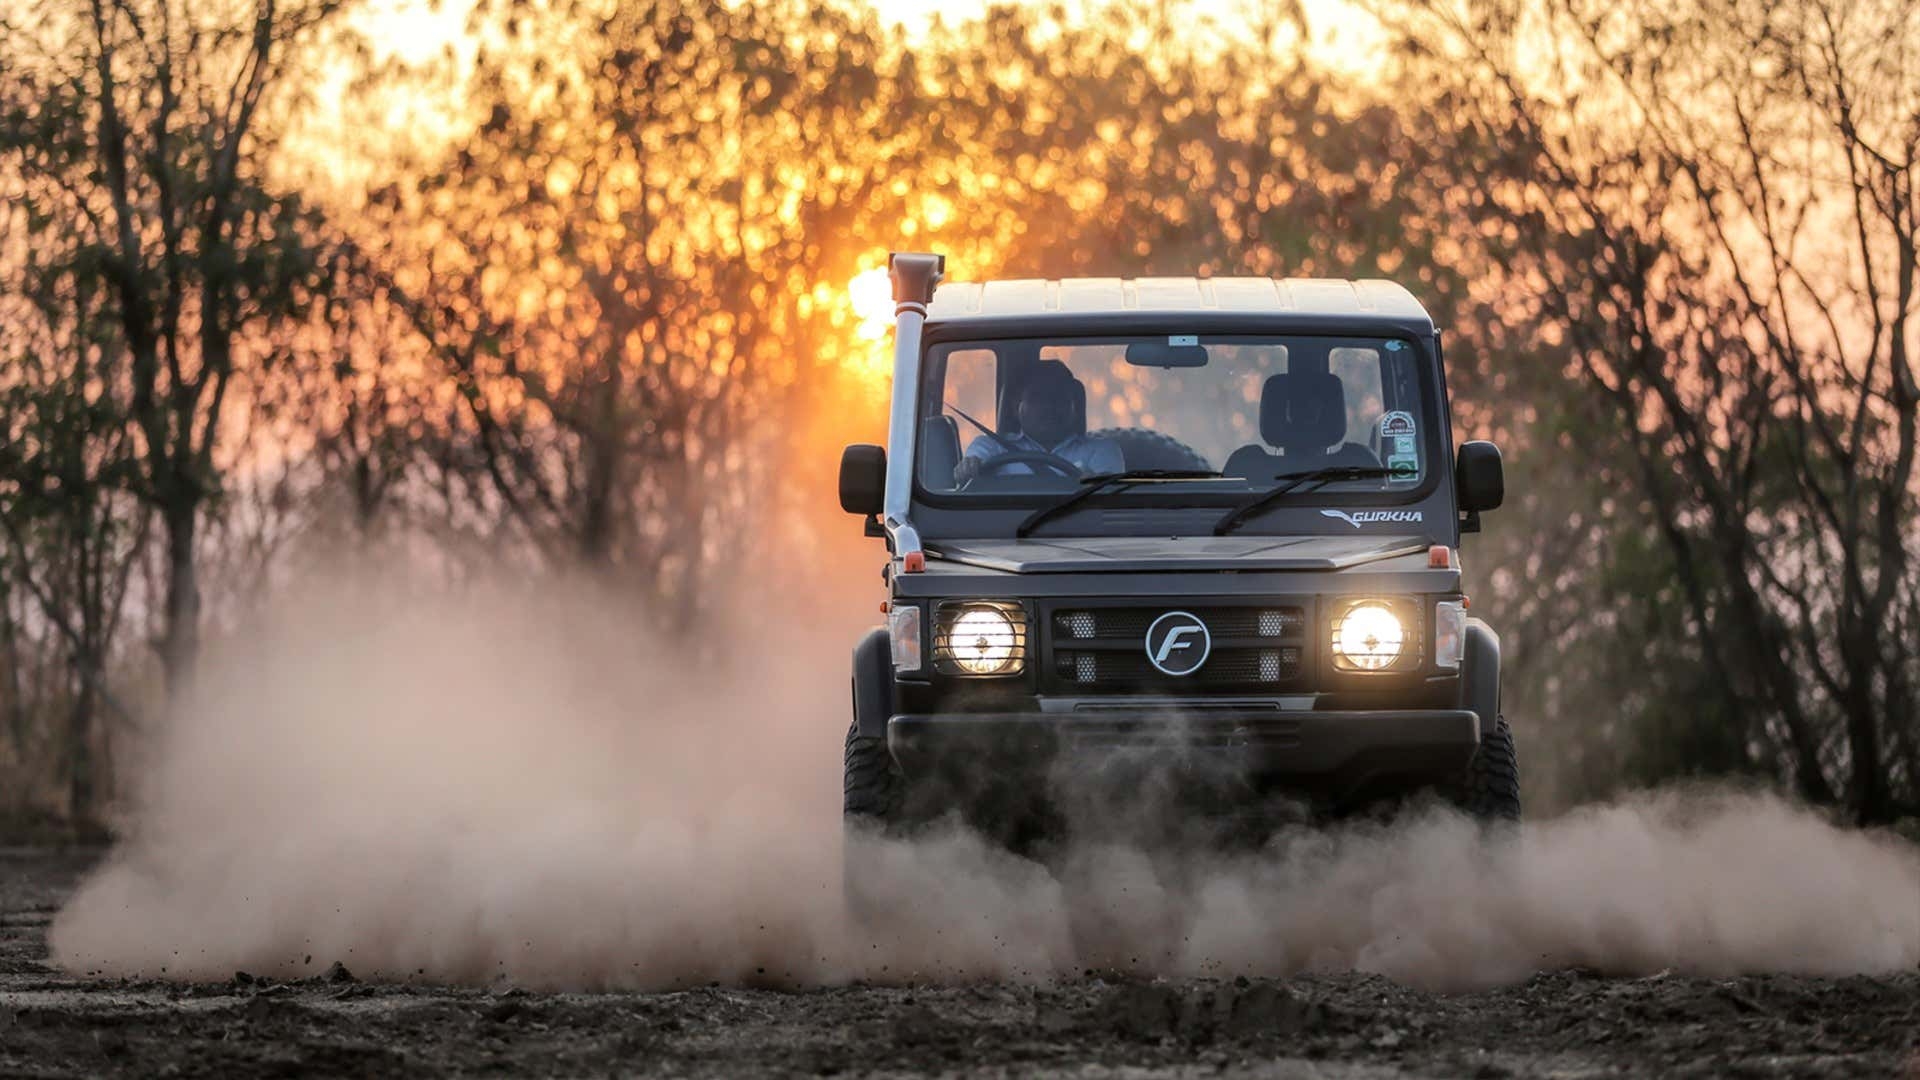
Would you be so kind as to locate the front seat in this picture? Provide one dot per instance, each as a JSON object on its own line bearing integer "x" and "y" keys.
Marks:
{"x": 939, "y": 452}
{"x": 1305, "y": 415}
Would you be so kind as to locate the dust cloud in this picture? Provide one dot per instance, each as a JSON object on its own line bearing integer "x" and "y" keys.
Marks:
{"x": 517, "y": 784}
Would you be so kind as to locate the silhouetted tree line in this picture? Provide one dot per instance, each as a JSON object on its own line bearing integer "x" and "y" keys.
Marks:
{"x": 592, "y": 314}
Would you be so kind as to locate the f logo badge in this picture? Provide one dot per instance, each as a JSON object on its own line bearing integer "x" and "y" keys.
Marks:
{"x": 1178, "y": 643}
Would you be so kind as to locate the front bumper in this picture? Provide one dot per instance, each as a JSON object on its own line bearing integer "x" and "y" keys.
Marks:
{"x": 1339, "y": 749}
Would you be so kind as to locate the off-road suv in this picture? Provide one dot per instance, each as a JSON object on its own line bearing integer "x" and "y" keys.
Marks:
{"x": 1217, "y": 518}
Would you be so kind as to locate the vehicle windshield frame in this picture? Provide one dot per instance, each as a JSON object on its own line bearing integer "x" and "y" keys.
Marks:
{"x": 1200, "y": 493}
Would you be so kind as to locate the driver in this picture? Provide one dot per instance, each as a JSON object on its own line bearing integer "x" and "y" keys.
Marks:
{"x": 1049, "y": 419}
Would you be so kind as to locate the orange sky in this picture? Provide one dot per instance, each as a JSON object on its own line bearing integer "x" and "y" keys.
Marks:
{"x": 1340, "y": 36}
{"x": 1339, "y": 32}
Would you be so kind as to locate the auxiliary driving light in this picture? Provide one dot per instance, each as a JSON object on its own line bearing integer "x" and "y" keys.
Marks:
{"x": 1368, "y": 637}
{"x": 982, "y": 639}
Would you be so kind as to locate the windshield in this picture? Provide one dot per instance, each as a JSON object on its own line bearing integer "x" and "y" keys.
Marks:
{"x": 1040, "y": 415}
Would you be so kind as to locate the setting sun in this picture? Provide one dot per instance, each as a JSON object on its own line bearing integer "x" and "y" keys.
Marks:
{"x": 871, "y": 294}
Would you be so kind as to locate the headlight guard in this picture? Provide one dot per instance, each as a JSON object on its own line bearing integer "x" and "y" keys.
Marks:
{"x": 1375, "y": 635}
{"x": 980, "y": 638}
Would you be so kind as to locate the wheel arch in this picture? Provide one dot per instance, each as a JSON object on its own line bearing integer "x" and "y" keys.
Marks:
{"x": 873, "y": 683}
{"x": 1480, "y": 675}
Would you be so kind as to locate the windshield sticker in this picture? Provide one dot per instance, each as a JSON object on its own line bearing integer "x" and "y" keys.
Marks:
{"x": 1357, "y": 518}
{"x": 1395, "y": 345}
{"x": 1399, "y": 442}
{"x": 1183, "y": 339}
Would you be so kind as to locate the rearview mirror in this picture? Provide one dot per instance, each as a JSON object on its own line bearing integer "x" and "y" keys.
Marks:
{"x": 863, "y": 479}
{"x": 1478, "y": 477}
{"x": 1156, "y": 354}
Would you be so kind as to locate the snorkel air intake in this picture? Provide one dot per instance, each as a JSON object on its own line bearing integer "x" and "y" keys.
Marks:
{"x": 914, "y": 275}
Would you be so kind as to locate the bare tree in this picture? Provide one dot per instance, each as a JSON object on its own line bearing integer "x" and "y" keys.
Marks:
{"x": 619, "y": 266}
{"x": 1717, "y": 203}
{"x": 70, "y": 528}
{"x": 139, "y": 134}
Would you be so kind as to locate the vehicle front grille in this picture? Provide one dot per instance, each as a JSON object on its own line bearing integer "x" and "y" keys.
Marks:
{"x": 1092, "y": 648}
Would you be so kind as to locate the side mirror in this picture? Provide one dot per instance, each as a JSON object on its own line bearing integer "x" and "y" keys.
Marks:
{"x": 863, "y": 479}
{"x": 1478, "y": 477}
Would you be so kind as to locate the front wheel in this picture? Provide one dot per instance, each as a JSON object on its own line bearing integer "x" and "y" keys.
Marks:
{"x": 1488, "y": 789}
{"x": 872, "y": 787}
{"x": 874, "y": 792}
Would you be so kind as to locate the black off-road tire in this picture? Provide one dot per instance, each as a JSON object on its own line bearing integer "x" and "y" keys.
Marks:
{"x": 1144, "y": 449}
{"x": 874, "y": 793}
{"x": 1488, "y": 789}
{"x": 872, "y": 789}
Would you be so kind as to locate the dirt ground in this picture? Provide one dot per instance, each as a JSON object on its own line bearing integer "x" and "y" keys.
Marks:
{"x": 1568, "y": 1024}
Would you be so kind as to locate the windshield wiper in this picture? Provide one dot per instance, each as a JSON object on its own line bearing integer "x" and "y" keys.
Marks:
{"x": 1287, "y": 483}
{"x": 1102, "y": 482}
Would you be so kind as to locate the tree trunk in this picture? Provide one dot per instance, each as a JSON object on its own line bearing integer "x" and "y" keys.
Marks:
{"x": 80, "y": 763}
{"x": 602, "y": 446}
{"x": 1867, "y": 789}
{"x": 180, "y": 647}
{"x": 366, "y": 497}
{"x": 14, "y": 705}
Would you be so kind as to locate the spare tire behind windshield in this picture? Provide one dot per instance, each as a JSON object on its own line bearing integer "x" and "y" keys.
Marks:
{"x": 1144, "y": 449}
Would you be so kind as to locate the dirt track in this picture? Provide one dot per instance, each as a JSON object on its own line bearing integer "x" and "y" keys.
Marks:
{"x": 1566, "y": 1025}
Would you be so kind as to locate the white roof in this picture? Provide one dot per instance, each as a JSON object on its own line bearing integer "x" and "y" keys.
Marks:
{"x": 1322, "y": 297}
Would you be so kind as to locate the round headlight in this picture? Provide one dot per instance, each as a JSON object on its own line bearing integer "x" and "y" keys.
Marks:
{"x": 1369, "y": 637}
{"x": 983, "y": 642}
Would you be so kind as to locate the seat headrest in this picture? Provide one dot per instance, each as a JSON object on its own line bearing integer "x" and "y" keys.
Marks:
{"x": 1303, "y": 412}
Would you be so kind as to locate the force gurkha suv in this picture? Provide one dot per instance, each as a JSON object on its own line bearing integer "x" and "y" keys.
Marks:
{"x": 1215, "y": 517}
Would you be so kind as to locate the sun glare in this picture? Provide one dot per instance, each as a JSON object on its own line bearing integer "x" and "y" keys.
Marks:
{"x": 871, "y": 294}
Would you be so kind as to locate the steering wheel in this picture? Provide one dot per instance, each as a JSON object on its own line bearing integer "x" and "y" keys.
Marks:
{"x": 1032, "y": 458}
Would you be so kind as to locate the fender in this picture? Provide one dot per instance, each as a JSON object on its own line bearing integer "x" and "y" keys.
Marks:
{"x": 873, "y": 683}
{"x": 1480, "y": 675}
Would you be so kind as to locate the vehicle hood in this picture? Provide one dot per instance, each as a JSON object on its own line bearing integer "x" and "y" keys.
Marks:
{"x": 1149, "y": 553}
